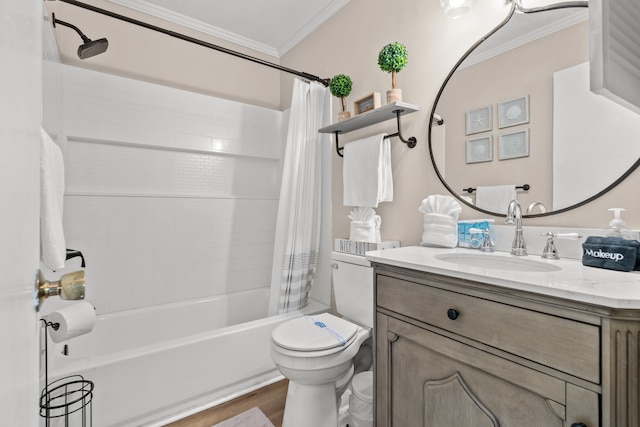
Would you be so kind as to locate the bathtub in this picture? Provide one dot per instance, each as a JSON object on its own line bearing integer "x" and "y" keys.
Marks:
{"x": 155, "y": 365}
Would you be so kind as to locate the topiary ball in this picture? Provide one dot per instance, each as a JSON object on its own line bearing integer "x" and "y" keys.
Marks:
{"x": 392, "y": 57}
{"x": 340, "y": 86}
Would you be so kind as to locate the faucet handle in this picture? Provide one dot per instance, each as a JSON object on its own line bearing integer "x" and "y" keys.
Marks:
{"x": 571, "y": 236}
{"x": 487, "y": 244}
{"x": 550, "y": 251}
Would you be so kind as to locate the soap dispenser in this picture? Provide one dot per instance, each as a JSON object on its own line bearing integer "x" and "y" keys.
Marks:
{"x": 617, "y": 227}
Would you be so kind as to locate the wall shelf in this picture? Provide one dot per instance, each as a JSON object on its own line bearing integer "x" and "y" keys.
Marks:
{"x": 372, "y": 117}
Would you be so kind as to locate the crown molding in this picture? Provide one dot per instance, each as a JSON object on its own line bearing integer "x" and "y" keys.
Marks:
{"x": 333, "y": 7}
{"x": 194, "y": 24}
{"x": 528, "y": 37}
{"x": 275, "y": 51}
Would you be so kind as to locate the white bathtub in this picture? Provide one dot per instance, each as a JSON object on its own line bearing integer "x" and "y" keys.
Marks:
{"x": 155, "y": 365}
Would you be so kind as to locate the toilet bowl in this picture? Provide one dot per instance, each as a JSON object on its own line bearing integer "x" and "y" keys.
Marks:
{"x": 317, "y": 353}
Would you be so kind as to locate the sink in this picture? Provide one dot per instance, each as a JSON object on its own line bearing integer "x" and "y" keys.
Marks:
{"x": 498, "y": 262}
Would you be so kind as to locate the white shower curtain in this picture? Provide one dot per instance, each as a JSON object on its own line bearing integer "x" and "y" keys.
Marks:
{"x": 304, "y": 211}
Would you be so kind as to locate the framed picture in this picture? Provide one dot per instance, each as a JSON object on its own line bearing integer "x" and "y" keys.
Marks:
{"x": 479, "y": 120}
{"x": 367, "y": 103}
{"x": 513, "y": 112}
{"x": 513, "y": 145}
{"x": 480, "y": 150}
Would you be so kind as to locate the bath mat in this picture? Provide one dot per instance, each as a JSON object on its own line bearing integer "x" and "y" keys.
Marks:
{"x": 254, "y": 417}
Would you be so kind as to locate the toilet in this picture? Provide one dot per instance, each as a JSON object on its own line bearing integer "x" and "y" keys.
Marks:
{"x": 320, "y": 353}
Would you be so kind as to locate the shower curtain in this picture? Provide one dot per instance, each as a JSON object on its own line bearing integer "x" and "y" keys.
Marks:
{"x": 304, "y": 211}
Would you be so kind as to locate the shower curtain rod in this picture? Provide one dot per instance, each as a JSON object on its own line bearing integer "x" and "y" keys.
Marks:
{"x": 199, "y": 42}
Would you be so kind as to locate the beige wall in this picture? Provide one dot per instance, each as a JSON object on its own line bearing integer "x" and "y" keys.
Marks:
{"x": 349, "y": 43}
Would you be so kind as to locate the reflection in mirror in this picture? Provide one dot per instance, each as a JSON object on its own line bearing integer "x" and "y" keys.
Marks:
{"x": 518, "y": 110}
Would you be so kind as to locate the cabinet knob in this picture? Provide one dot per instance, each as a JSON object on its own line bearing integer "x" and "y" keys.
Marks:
{"x": 453, "y": 314}
{"x": 578, "y": 425}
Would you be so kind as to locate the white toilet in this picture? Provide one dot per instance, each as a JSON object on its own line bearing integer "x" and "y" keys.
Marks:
{"x": 316, "y": 353}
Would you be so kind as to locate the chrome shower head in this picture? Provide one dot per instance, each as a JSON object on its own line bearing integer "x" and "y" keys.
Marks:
{"x": 90, "y": 47}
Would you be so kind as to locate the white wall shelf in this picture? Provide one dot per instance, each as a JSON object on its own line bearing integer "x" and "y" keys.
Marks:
{"x": 372, "y": 117}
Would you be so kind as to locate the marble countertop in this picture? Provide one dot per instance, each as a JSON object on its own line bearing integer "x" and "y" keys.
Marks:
{"x": 572, "y": 281}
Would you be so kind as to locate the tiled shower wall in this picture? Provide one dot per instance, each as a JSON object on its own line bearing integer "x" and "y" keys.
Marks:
{"x": 170, "y": 195}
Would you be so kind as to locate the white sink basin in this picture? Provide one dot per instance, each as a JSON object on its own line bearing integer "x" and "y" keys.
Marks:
{"x": 498, "y": 262}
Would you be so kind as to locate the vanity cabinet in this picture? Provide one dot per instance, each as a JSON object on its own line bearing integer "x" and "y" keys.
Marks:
{"x": 454, "y": 352}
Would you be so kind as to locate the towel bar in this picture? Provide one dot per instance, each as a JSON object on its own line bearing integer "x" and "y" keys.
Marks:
{"x": 377, "y": 115}
{"x": 524, "y": 187}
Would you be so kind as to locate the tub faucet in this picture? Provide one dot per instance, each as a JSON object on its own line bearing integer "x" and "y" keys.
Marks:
{"x": 514, "y": 215}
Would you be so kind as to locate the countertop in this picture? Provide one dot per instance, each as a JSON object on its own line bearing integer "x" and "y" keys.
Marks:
{"x": 573, "y": 281}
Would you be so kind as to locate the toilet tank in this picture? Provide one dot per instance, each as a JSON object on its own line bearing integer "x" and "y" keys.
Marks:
{"x": 353, "y": 287}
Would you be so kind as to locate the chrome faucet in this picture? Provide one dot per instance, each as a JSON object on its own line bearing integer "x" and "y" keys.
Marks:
{"x": 514, "y": 215}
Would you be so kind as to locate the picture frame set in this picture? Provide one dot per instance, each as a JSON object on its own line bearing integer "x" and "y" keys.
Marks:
{"x": 511, "y": 145}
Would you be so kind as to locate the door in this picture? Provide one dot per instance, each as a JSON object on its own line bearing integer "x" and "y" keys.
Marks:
{"x": 20, "y": 117}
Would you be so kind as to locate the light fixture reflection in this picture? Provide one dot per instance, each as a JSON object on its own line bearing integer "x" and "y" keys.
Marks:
{"x": 455, "y": 8}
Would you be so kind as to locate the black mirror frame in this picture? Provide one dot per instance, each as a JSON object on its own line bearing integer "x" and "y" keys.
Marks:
{"x": 432, "y": 119}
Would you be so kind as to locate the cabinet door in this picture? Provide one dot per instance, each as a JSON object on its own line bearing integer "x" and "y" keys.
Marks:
{"x": 432, "y": 381}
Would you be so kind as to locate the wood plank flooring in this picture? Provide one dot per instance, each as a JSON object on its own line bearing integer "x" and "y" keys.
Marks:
{"x": 269, "y": 399}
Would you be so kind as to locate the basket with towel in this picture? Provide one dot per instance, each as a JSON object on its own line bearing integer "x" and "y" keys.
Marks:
{"x": 440, "y": 221}
{"x": 613, "y": 253}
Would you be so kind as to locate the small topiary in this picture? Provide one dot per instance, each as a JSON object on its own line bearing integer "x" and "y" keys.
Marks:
{"x": 340, "y": 87}
{"x": 391, "y": 59}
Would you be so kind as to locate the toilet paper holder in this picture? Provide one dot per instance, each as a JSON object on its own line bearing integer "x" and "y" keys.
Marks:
{"x": 70, "y": 287}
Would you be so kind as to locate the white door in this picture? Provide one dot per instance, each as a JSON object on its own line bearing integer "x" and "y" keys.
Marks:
{"x": 20, "y": 117}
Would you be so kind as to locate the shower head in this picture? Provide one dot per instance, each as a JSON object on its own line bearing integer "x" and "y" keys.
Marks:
{"x": 90, "y": 47}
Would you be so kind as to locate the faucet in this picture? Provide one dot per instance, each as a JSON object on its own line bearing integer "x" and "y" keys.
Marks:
{"x": 514, "y": 215}
{"x": 537, "y": 204}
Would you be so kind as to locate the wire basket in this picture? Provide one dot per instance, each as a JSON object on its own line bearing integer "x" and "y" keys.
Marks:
{"x": 66, "y": 399}
{"x": 65, "y": 396}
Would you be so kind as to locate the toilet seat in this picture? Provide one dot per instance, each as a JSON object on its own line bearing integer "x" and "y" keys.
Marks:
{"x": 321, "y": 332}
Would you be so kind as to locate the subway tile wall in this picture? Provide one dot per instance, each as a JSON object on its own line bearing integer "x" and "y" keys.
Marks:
{"x": 170, "y": 195}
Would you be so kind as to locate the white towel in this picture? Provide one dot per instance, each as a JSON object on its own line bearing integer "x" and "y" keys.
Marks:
{"x": 367, "y": 174}
{"x": 495, "y": 198}
{"x": 52, "y": 245}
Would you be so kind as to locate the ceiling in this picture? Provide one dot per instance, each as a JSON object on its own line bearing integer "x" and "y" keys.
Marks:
{"x": 269, "y": 26}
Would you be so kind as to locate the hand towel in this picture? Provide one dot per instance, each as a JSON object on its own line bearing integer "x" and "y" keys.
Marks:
{"x": 495, "y": 198}
{"x": 367, "y": 174}
{"x": 52, "y": 244}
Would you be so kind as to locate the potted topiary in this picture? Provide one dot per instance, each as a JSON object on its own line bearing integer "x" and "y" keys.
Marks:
{"x": 340, "y": 87}
{"x": 391, "y": 59}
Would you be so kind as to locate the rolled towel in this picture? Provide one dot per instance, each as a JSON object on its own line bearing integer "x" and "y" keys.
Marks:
{"x": 613, "y": 253}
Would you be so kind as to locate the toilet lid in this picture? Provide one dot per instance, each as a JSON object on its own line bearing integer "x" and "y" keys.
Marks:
{"x": 313, "y": 333}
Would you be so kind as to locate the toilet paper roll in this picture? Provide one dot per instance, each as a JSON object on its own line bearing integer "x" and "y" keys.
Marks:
{"x": 74, "y": 320}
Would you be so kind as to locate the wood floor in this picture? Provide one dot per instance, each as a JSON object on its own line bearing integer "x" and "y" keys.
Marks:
{"x": 269, "y": 399}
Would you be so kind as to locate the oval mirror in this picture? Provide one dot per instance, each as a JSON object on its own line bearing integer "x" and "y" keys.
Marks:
{"x": 517, "y": 110}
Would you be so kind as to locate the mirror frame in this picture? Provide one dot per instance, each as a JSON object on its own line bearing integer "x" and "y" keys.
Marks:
{"x": 515, "y": 5}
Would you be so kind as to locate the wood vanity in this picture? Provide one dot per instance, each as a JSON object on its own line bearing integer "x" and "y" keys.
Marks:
{"x": 467, "y": 346}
